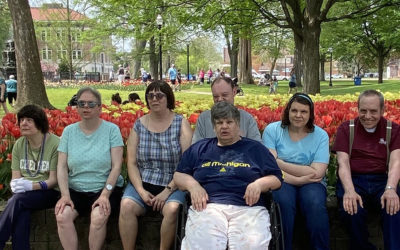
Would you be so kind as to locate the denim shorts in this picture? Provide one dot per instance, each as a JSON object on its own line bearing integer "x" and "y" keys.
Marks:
{"x": 131, "y": 193}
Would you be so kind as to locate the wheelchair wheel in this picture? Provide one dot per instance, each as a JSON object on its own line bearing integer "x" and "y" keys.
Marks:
{"x": 180, "y": 224}
{"x": 277, "y": 240}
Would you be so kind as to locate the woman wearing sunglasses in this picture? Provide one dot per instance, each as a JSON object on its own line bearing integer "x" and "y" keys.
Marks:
{"x": 154, "y": 148}
{"x": 33, "y": 168}
{"x": 89, "y": 166}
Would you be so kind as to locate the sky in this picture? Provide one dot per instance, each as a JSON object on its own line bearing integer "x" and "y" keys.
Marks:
{"x": 122, "y": 46}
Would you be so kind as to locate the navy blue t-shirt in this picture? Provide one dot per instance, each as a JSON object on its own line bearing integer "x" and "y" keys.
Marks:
{"x": 225, "y": 171}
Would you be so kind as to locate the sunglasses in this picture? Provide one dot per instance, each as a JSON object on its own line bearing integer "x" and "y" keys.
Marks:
{"x": 90, "y": 104}
{"x": 158, "y": 95}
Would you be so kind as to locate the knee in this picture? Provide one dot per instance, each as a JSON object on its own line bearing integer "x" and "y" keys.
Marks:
{"x": 170, "y": 210}
{"x": 98, "y": 219}
{"x": 129, "y": 208}
{"x": 66, "y": 217}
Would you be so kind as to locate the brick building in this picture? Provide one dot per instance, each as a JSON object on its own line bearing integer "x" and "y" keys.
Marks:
{"x": 59, "y": 36}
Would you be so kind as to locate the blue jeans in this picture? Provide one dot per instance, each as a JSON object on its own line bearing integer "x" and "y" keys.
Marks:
{"x": 311, "y": 199}
{"x": 370, "y": 187}
{"x": 16, "y": 218}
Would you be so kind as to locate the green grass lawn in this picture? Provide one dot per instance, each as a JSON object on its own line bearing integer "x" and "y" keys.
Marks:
{"x": 59, "y": 97}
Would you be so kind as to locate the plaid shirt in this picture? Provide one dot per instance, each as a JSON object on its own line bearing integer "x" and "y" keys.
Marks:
{"x": 158, "y": 154}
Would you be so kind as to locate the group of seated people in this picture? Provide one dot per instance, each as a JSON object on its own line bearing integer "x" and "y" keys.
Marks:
{"x": 225, "y": 166}
{"x": 132, "y": 98}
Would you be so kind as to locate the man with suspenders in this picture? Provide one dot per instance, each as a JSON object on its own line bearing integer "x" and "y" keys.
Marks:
{"x": 368, "y": 154}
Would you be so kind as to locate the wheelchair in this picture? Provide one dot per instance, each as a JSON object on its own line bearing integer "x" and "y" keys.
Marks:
{"x": 277, "y": 240}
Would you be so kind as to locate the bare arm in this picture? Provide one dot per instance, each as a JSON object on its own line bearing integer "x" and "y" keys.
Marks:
{"x": 62, "y": 178}
{"x": 185, "y": 141}
{"x": 316, "y": 169}
{"x": 133, "y": 170}
{"x": 103, "y": 202}
{"x": 390, "y": 197}
{"x": 263, "y": 184}
{"x": 116, "y": 162}
{"x": 350, "y": 197}
{"x": 298, "y": 181}
{"x": 198, "y": 194}
{"x": 62, "y": 174}
{"x": 3, "y": 91}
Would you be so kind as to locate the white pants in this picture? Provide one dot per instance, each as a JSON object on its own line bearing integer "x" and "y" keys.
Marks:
{"x": 219, "y": 225}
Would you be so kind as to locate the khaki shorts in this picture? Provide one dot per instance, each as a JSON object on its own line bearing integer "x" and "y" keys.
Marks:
{"x": 241, "y": 227}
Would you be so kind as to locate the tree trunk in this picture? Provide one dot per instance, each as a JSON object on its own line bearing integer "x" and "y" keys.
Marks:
{"x": 245, "y": 61}
{"x": 322, "y": 67}
{"x": 153, "y": 59}
{"x": 381, "y": 59}
{"x": 233, "y": 54}
{"x": 311, "y": 34}
{"x": 69, "y": 43}
{"x": 273, "y": 64}
{"x": 31, "y": 89}
{"x": 137, "y": 55}
{"x": 298, "y": 59}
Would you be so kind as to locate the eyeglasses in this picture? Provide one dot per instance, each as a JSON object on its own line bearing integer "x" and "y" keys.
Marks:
{"x": 90, "y": 104}
{"x": 158, "y": 95}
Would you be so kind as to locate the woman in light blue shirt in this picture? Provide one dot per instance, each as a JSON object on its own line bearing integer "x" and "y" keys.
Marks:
{"x": 88, "y": 172}
{"x": 301, "y": 150}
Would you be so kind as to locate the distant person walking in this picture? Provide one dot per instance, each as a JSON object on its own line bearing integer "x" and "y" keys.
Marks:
{"x": 172, "y": 76}
{"x": 210, "y": 75}
{"x": 273, "y": 87}
{"x": 11, "y": 90}
{"x": 201, "y": 76}
{"x": 3, "y": 93}
{"x": 179, "y": 79}
{"x": 121, "y": 74}
{"x": 292, "y": 82}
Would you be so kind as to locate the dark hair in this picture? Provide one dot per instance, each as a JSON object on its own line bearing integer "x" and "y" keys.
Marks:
{"x": 93, "y": 91}
{"x": 305, "y": 100}
{"x": 37, "y": 114}
{"x": 116, "y": 98}
{"x": 73, "y": 101}
{"x": 163, "y": 87}
{"x": 226, "y": 79}
{"x": 224, "y": 110}
{"x": 125, "y": 102}
{"x": 133, "y": 97}
{"x": 372, "y": 92}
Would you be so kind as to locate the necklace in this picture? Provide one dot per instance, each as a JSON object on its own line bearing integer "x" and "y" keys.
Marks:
{"x": 38, "y": 164}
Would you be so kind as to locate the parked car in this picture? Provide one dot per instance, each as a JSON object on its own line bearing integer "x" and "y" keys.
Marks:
{"x": 255, "y": 74}
{"x": 282, "y": 78}
{"x": 371, "y": 75}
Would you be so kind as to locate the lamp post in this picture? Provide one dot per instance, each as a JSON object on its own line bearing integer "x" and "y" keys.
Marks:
{"x": 285, "y": 66}
{"x": 187, "y": 59}
{"x": 159, "y": 22}
{"x": 330, "y": 50}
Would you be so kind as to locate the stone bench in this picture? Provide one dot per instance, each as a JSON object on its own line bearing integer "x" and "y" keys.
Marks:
{"x": 44, "y": 231}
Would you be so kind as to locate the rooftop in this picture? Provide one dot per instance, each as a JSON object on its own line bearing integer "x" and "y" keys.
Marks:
{"x": 55, "y": 14}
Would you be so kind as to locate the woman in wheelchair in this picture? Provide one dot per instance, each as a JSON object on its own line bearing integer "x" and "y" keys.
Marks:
{"x": 225, "y": 177}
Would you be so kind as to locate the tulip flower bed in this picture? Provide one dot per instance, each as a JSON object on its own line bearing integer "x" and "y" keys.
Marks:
{"x": 329, "y": 114}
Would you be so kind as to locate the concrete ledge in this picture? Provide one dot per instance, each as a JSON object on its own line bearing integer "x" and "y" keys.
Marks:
{"x": 44, "y": 231}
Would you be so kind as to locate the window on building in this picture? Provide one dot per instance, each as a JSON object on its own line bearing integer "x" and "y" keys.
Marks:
{"x": 77, "y": 54}
{"x": 46, "y": 54}
{"x": 44, "y": 35}
{"x": 60, "y": 34}
{"x": 61, "y": 54}
{"x": 76, "y": 36}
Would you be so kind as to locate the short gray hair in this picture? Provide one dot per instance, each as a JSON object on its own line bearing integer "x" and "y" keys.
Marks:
{"x": 372, "y": 92}
{"x": 224, "y": 110}
{"x": 93, "y": 91}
